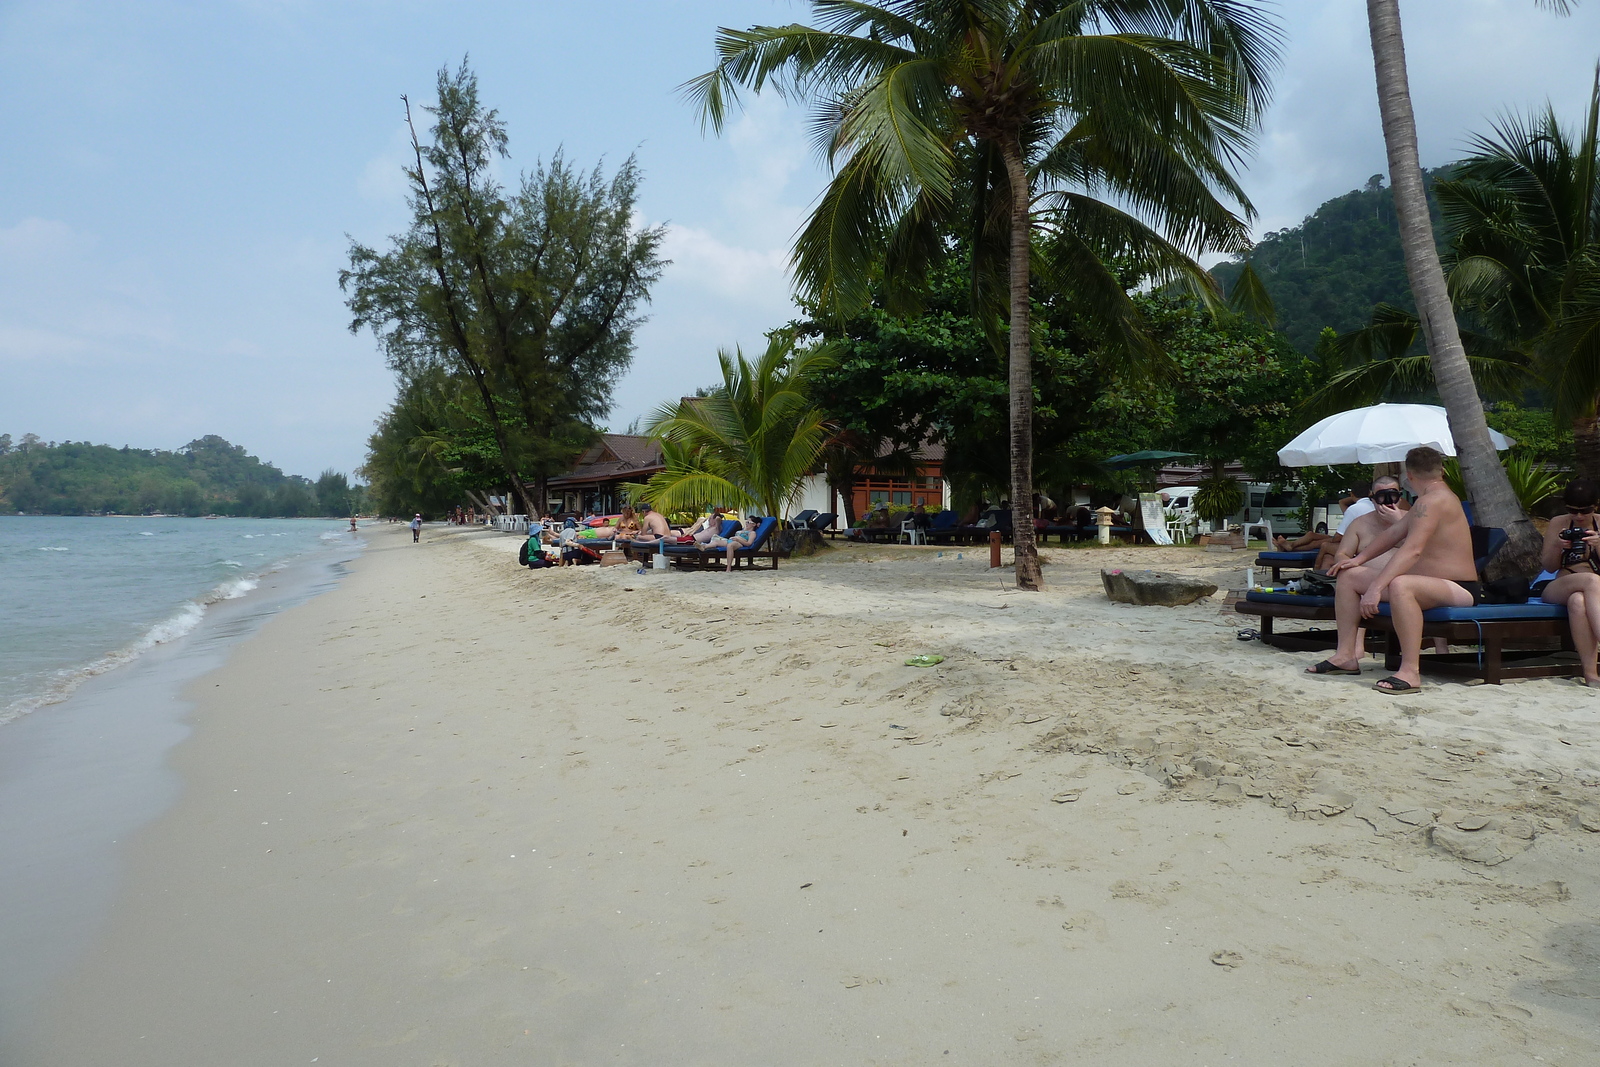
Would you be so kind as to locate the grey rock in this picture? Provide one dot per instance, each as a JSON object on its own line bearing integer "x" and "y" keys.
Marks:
{"x": 1156, "y": 588}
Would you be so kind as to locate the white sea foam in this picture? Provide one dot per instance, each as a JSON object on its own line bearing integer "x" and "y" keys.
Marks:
{"x": 146, "y": 533}
{"x": 182, "y": 622}
{"x": 229, "y": 563}
{"x": 55, "y": 548}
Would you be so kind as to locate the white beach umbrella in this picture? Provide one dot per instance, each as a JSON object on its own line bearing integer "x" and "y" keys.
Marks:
{"x": 1383, "y": 433}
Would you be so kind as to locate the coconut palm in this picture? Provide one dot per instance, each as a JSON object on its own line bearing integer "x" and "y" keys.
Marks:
{"x": 1524, "y": 264}
{"x": 1484, "y": 477}
{"x": 751, "y": 443}
{"x": 1524, "y": 211}
{"x": 1112, "y": 123}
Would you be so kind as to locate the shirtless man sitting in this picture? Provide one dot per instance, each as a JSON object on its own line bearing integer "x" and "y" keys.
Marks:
{"x": 652, "y": 526}
{"x": 1368, "y": 526}
{"x": 1431, "y": 567}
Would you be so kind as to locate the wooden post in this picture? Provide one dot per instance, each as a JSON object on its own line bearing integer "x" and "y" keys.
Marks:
{"x": 994, "y": 548}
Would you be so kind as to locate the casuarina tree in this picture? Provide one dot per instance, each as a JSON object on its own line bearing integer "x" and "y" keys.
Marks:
{"x": 531, "y": 296}
{"x": 1112, "y": 123}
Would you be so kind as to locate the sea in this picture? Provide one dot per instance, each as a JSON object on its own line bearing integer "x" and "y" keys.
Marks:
{"x": 83, "y": 596}
{"x": 103, "y": 624}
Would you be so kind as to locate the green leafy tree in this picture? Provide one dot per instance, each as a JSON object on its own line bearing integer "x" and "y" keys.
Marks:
{"x": 208, "y": 475}
{"x": 530, "y": 297}
{"x": 1340, "y": 262}
{"x": 1524, "y": 213}
{"x": 1062, "y": 112}
{"x": 751, "y": 443}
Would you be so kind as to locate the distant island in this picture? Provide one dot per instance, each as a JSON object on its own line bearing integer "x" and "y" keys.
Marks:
{"x": 208, "y": 476}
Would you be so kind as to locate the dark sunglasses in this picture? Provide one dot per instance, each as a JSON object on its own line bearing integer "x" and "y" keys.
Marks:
{"x": 1582, "y": 511}
{"x": 1386, "y": 496}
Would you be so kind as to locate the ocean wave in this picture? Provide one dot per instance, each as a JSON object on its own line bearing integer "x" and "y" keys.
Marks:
{"x": 180, "y": 623}
{"x": 229, "y": 563}
{"x": 54, "y": 548}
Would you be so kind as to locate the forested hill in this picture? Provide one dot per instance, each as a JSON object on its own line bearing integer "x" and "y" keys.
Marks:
{"x": 1333, "y": 268}
{"x": 204, "y": 477}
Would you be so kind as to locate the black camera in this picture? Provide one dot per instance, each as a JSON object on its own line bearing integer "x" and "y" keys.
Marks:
{"x": 1387, "y": 497}
{"x": 1576, "y": 550}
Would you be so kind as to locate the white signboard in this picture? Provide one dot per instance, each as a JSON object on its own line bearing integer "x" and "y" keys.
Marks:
{"x": 1155, "y": 518}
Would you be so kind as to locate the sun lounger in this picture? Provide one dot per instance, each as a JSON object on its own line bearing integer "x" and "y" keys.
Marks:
{"x": 1268, "y": 607}
{"x": 802, "y": 521}
{"x": 1495, "y": 629}
{"x": 1277, "y": 561}
{"x": 765, "y": 546}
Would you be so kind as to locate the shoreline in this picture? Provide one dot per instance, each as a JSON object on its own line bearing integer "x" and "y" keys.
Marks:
{"x": 82, "y": 772}
{"x": 454, "y": 811}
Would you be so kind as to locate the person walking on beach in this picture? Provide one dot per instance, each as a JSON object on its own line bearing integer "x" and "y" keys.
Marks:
{"x": 416, "y": 528}
{"x": 1431, "y": 567}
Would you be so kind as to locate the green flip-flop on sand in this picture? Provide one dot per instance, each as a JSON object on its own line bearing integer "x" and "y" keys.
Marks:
{"x": 924, "y": 661}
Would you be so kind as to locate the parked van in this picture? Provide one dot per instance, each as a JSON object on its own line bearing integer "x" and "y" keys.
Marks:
{"x": 1282, "y": 510}
{"x": 1261, "y": 504}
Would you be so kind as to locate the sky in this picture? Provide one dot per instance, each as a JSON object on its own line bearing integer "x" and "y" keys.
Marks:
{"x": 180, "y": 182}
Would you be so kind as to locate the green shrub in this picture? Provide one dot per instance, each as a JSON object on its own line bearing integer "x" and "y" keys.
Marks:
{"x": 1218, "y": 499}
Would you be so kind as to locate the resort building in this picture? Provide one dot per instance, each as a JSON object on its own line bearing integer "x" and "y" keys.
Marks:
{"x": 595, "y": 481}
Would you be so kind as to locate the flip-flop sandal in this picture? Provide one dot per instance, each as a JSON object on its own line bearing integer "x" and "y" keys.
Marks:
{"x": 1248, "y": 635}
{"x": 1395, "y": 685}
{"x": 1329, "y": 667}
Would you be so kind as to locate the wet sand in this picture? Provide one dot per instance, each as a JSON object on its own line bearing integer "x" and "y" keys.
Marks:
{"x": 455, "y": 812}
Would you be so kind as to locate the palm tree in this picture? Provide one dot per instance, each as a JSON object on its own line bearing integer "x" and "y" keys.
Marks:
{"x": 1523, "y": 263}
{"x": 751, "y": 443}
{"x": 1524, "y": 211}
{"x": 1115, "y": 120}
{"x": 1485, "y": 478}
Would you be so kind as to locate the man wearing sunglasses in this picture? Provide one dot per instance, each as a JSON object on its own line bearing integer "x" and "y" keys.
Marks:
{"x": 1431, "y": 566}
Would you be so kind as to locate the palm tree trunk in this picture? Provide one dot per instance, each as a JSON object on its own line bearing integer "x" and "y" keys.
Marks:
{"x": 1485, "y": 478}
{"x": 1020, "y": 376}
{"x": 1586, "y": 443}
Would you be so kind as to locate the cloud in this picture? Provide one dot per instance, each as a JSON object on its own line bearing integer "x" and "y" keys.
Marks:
{"x": 729, "y": 282}
{"x": 1468, "y": 60}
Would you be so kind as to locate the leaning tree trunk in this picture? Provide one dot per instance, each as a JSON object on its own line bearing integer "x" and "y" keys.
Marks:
{"x": 1020, "y": 372}
{"x": 1485, "y": 478}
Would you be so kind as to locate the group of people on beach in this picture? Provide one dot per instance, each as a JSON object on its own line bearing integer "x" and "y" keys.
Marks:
{"x": 1419, "y": 556}
{"x": 646, "y": 526}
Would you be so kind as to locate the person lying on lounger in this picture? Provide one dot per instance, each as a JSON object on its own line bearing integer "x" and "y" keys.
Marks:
{"x": 625, "y": 529}
{"x": 1356, "y": 503}
{"x": 743, "y": 537}
{"x": 1572, "y": 550}
{"x": 1431, "y": 567}
{"x": 706, "y": 527}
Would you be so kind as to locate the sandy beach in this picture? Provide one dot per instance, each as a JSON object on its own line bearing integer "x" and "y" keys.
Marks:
{"x": 454, "y": 813}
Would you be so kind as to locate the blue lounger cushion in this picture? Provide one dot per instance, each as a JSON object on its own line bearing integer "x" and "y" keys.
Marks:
{"x": 1287, "y": 557}
{"x": 1491, "y": 612}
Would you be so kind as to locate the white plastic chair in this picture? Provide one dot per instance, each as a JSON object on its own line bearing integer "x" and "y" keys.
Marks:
{"x": 1178, "y": 530}
{"x": 1261, "y": 525}
{"x": 908, "y": 527}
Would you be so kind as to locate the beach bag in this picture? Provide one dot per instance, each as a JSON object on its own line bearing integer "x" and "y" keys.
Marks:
{"x": 1512, "y": 590}
{"x": 1313, "y": 584}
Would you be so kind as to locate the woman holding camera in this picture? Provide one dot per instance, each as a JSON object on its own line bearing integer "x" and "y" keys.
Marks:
{"x": 1572, "y": 551}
